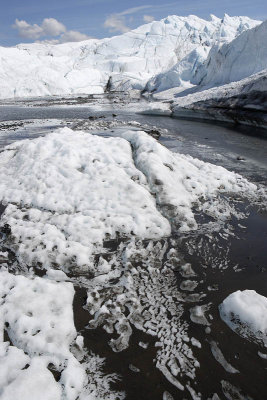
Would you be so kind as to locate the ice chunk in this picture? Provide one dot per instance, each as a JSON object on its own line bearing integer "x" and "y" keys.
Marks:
{"x": 167, "y": 396}
{"x": 218, "y": 355}
{"x": 188, "y": 285}
{"x": 195, "y": 342}
{"x": 246, "y": 313}
{"x": 197, "y": 315}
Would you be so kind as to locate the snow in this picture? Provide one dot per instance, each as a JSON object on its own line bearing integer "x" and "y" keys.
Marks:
{"x": 38, "y": 316}
{"x": 73, "y": 191}
{"x": 246, "y": 313}
{"x": 35, "y": 383}
{"x": 234, "y": 67}
{"x": 244, "y": 56}
{"x": 175, "y": 45}
{"x": 179, "y": 181}
{"x": 68, "y": 192}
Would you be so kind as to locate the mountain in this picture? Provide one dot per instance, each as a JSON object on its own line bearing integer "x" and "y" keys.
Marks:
{"x": 157, "y": 55}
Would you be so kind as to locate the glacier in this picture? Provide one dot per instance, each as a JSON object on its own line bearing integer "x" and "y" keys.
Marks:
{"x": 244, "y": 56}
{"x": 230, "y": 85}
{"x": 155, "y": 56}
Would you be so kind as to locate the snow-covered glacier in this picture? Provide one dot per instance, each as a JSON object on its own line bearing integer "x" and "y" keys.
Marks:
{"x": 244, "y": 56}
{"x": 160, "y": 54}
{"x": 229, "y": 85}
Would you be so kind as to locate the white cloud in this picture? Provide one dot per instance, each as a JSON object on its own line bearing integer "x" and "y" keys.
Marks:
{"x": 73, "y": 36}
{"x": 134, "y": 10}
{"x": 148, "y": 18}
{"x": 50, "y": 27}
{"x": 26, "y": 30}
{"x": 116, "y": 23}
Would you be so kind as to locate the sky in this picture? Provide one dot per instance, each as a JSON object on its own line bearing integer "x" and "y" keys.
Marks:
{"x": 59, "y": 21}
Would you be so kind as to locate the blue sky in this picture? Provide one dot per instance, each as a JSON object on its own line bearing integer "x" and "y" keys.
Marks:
{"x": 64, "y": 20}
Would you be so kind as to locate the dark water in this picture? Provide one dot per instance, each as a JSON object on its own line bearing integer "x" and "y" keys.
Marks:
{"x": 243, "y": 150}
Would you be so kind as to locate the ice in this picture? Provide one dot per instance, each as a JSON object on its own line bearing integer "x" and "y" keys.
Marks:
{"x": 197, "y": 314}
{"x": 218, "y": 355}
{"x": 74, "y": 190}
{"x": 167, "y": 396}
{"x": 144, "y": 345}
{"x": 194, "y": 395}
{"x": 262, "y": 355}
{"x": 37, "y": 315}
{"x": 246, "y": 313}
{"x": 179, "y": 181}
{"x": 186, "y": 271}
{"x": 145, "y": 296}
{"x": 195, "y": 342}
{"x": 70, "y": 195}
{"x": 214, "y": 397}
{"x": 231, "y": 76}
{"x": 244, "y": 56}
{"x": 133, "y": 368}
{"x": 161, "y": 54}
{"x": 188, "y": 285}
{"x": 232, "y": 392}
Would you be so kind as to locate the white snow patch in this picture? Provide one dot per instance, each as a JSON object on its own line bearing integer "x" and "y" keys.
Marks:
{"x": 70, "y": 191}
{"x": 179, "y": 181}
{"x": 38, "y": 317}
{"x": 246, "y": 313}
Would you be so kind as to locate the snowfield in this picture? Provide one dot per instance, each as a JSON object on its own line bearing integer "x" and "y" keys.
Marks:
{"x": 174, "y": 47}
{"x": 68, "y": 192}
